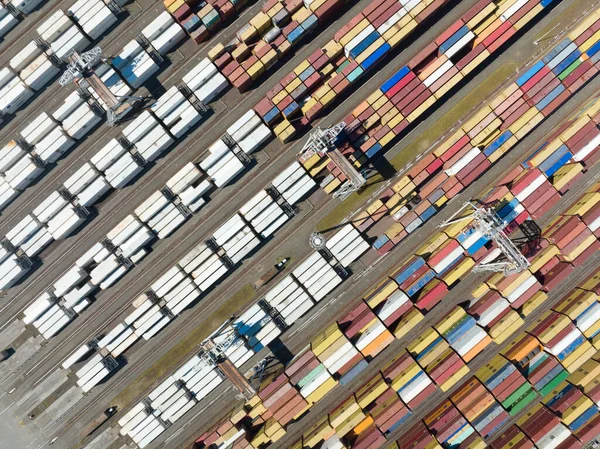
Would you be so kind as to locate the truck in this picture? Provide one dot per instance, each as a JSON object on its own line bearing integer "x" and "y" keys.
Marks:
{"x": 271, "y": 273}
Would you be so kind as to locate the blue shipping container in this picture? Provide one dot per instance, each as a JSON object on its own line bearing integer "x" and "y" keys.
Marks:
{"x": 550, "y": 97}
{"x": 354, "y": 74}
{"x": 428, "y": 213}
{"x": 530, "y": 73}
{"x": 559, "y": 395}
{"x": 364, "y": 44}
{"x": 375, "y": 56}
{"x": 398, "y": 423}
{"x": 548, "y": 377}
{"x": 381, "y": 241}
{"x": 395, "y": 79}
{"x": 454, "y": 39}
{"x": 500, "y": 376}
{"x": 409, "y": 270}
{"x": 562, "y": 161}
{"x": 353, "y": 372}
{"x": 572, "y": 347}
{"x": 420, "y": 283}
{"x": 371, "y": 152}
{"x": 556, "y": 50}
{"x": 429, "y": 348}
{"x": 497, "y": 143}
{"x": 583, "y": 418}
{"x": 567, "y": 62}
{"x": 465, "y": 324}
{"x": 480, "y": 243}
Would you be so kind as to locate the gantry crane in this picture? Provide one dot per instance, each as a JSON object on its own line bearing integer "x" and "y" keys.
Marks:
{"x": 80, "y": 71}
{"x": 323, "y": 142}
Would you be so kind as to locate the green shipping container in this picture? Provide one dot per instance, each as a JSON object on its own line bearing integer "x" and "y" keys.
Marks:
{"x": 522, "y": 403}
{"x": 516, "y": 395}
{"x": 352, "y": 76}
{"x": 566, "y": 72}
{"x": 310, "y": 376}
{"x": 342, "y": 66}
{"x": 554, "y": 382}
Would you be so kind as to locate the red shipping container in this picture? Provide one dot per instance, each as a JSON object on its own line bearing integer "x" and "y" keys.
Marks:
{"x": 554, "y": 104}
{"x": 443, "y": 377}
{"x": 475, "y": 9}
{"x": 589, "y": 252}
{"x": 508, "y": 102}
{"x": 427, "y": 300}
{"x": 429, "y": 10}
{"x": 583, "y": 79}
{"x": 498, "y": 34}
{"x": 557, "y": 275}
{"x": 469, "y": 57}
{"x": 275, "y": 384}
{"x": 394, "y": 368}
{"x": 460, "y": 144}
{"x": 544, "y": 204}
{"x": 396, "y": 88}
{"x": 577, "y": 73}
{"x": 422, "y": 396}
{"x": 495, "y": 423}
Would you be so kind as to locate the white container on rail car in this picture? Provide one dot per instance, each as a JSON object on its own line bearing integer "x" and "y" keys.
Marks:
{"x": 7, "y": 21}
{"x": 122, "y": 171}
{"x": 158, "y": 26}
{"x": 174, "y": 417}
{"x": 25, "y": 57}
{"x": 57, "y": 318}
{"x": 84, "y": 125}
{"x": 104, "y": 269}
{"x": 71, "y": 103}
{"x": 23, "y": 173}
{"x": 97, "y": 23}
{"x": 113, "y": 277}
{"x": 206, "y": 282}
{"x": 263, "y": 218}
{"x": 37, "y": 307}
{"x": 255, "y": 139}
{"x": 172, "y": 226}
{"x": 56, "y": 327}
{"x": 200, "y": 74}
{"x": 145, "y": 316}
{"x": 297, "y": 310}
{"x": 139, "y": 240}
{"x": 66, "y": 227}
{"x": 203, "y": 269}
{"x": 38, "y": 128}
{"x": 147, "y": 324}
{"x": 69, "y": 41}
{"x": 102, "y": 255}
{"x": 54, "y": 26}
{"x": 113, "y": 81}
{"x": 168, "y": 281}
{"x": 90, "y": 373}
{"x": 124, "y": 345}
{"x": 325, "y": 284}
{"x": 82, "y": 178}
{"x": 39, "y": 73}
{"x": 37, "y": 242}
{"x": 292, "y": 175}
{"x": 111, "y": 335}
{"x": 350, "y": 256}
{"x": 139, "y": 435}
{"x": 26, "y": 6}
{"x": 150, "y": 437}
{"x": 203, "y": 389}
{"x": 88, "y": 256}
{"x": 47, "y": 315}
{"x": 95, "y": 380}
{"x": 140, "y": 126}
{"x": 7, "y": 193}
{"x": 10, "y": 154}
{"x": 16, "y": 97}
{"x": 228, "y": 229}
{"x": 147, "y": 420}
{"x": 164, "y": 212}
{"x": 156, "y": 328}
{"x": 75, "y": 295}
{"x": 174, "y": 114}
{"x": 129, "y": 52}
{"x": 120, "y": 338}
{"x": 11, "y": 271}
{"x": 155, "y": 143}
{"x": 75, "y": 357}
{"x": 54, "y": 145}
{"x": 228, "y": 172}
{"x": 107, "y": 155}
{"x": 125, "y": 229}
{"x": 135, "y": 411}
{"x": 211, "y": 88}
{"x": 68, "y": 280}
{"x": 183, "y": 178}
{"x": 245, "y": 128}
{"x": 167, "y": 102}
{"x": 187, "y": 120}
{"x": 134, "y": 420}
{"x": 151, "y": 206}
{"x": 218, "y": 151}
{"x": 174, "y": 407}
{"x": 23, "y": 230}
{"x": 191, "y": 196}
{"x": 256, "y": 205}
{"x": 139, "y": 70}
{"x": 194, "y": 258}
{"x": 49, "y": 207}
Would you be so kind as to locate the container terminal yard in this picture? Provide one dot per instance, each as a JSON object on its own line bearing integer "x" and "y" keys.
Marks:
{"x": 299, "y": 224}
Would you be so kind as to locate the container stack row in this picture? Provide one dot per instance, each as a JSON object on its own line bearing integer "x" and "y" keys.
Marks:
{"x": 303, "y": 94}
{"x": 199, "y": 19}
{"x": 269, "y": 36}
{"x": 463, "y": 157}
{"x": 9, "y": 18}
{"x": 488, "y": 135}
{"x": 438, "y": 358}
{"x": 94, "y": 371}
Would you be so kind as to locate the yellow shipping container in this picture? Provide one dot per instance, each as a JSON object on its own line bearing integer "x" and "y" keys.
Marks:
{"x": 455, "y": 378}
{"x": 433, "y": 354}
{"x": 369, "y": 51}
{"x": 589, "y": 42}
{"x": 574, "y": 309}
{"x": 351, "y": 34}
{"x": 566, "y": 174}
{"x": 256, "y": 70}
{"x": 592, "y": 330}
{"x": 216, "y": 51}
{"x": 258, "y": 410}
{"x": 293, "y": 85}
{"x": 576, "y": 410}
{"x": 537, "y": 118}
{"x": 320, "y": 392}
{"x": 349, "y": 424}
{"x": 175, "y": 6}
{"x": 422, "y": 341}
{"x": 394, "y": 230}
{"x": 368, "y": 393}
{"x": 548, "y": 334}
{"x": 332, "y": 49}
{"x": 523, "y": 120}
{"x": 518, "y": 281}
{"x": 584, "y": 204}
{"x": 408, "y": 321}
{"x": 442, "y": 90}
{"x": 432, "y": 244}
{"x": 344, "y": 411}
{"x": 511, "y": 89}
{"x": 328, "y": 97}
{"x": 586, "y": 373}
{"x": 579, "y": 356}
{"x": 317, "y": 432}
{"x": 262, "y": 22}
{"x": 533, "y": 303}
{"x": 583, "y": 25}
{"x": 543, "y": 257}
{"x": 509, "y": 332}
{"x": 528, "y": 17}
{"x": 487, "y": 138}
{"x": 281, "y": 95}
{"x": 485, "y": 28}
{"x": 451, "y": 319}
{"x": 441, "y": 201}
{"x": 477, "y": 118}
{"x": 311, "y": 161}
{"x": 480, "y": 291}
{"x": 481, "y": 15}
{"x": 248, "y": 35}
{"x": 574, "y": 128}
{"x": 505, "y": 323}
{"x": 421, "y": 109}
{"x": 445, "y": 146}
{"x": 459, "y": 271}
{"x": 503, "y": 149}
{"x": 274, "y": 9}
{"x": 316, "y": 4}
{"x": 372, "y": 121}
{"x": 405, "y": 376}
{"x": 380, "y": 293}
{"x": 301, "y": 67}
{"x": 324, "y": 352}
